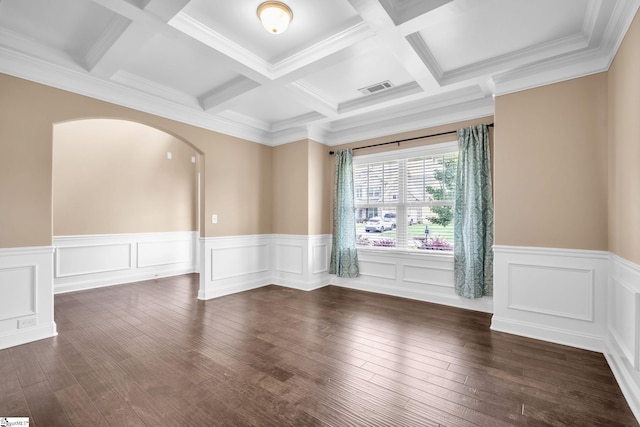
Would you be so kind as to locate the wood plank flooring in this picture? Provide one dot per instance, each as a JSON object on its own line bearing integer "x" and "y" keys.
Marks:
{"x": 151, "y": 354}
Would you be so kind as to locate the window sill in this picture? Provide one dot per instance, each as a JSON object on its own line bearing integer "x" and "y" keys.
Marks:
{"x": 419, "y": 254}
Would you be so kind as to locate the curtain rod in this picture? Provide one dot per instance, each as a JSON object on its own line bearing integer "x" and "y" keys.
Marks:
{"x": 331, "y": 153}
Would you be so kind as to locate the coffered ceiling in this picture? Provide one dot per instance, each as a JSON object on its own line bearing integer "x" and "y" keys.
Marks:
{"x": 211, "y": 63}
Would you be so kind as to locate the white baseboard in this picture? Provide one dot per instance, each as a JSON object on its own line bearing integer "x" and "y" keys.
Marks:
{"x": 24, "y": 336}
{"x": 421, "y": 276}
{"x": 623, "y": 340}
{"x": 114, "y": 280}
{"x": 26, "y": 290}
{"x": 87, "y": 262}
{"x": 548, "y": 333}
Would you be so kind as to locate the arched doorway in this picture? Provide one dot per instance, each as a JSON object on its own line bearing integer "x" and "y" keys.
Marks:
{"x": 125, "y": 203}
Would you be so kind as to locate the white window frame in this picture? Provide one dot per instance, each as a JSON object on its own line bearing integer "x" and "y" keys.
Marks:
{"x": 402, "y": 205}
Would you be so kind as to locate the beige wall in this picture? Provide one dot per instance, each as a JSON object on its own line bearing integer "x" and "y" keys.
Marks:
{"x": 624, "y": 147}
{"x": 237, "y": 173}
{"x": 291, "y": 188}
{"x": 320, "y": 189}
{"x": 113, "y": 176}
{"x": 550, "y": 151}
{"x": 301, "y": 188}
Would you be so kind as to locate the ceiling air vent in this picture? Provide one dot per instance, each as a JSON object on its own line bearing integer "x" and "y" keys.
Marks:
{"x": 376, "y": 87}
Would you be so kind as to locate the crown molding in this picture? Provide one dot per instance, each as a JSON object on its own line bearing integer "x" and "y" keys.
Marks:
{"x": 555, "y": 70}
{"x": 300, "y": 120}
{"x": 140, "y": 83}
{"x": 287, "y": 136}
{"x": 243, "y": 120}
{"x": 420, "y": 120}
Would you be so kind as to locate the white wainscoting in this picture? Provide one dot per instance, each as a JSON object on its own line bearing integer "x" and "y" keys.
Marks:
{"x": 239, "y": 263}
{"x": 623, "y": 338}
{"x": 420, "y": 276}
{"x": 301, "y": 262}
{"x": 26, "y": 290}
{"x": 233, "y": 264}
{"x": 85, "y": 262}
{"x": 556, "y": 295}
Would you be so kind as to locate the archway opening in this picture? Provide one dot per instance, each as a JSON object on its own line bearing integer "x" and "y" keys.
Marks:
{"x": 126, "y": 199}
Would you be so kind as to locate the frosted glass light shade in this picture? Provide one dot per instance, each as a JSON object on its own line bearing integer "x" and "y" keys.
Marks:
{"x": 275, "y": 16}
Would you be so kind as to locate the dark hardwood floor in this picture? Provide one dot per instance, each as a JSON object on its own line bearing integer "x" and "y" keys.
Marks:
{"x": 150, "y": 354}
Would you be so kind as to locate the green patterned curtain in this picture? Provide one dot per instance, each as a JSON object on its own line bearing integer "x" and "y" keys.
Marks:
{"x": 473, "y": 218}
{"x": 344, "y": 256}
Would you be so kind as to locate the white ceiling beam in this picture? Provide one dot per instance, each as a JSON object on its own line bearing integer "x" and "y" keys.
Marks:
{"x": 166, "y": 10}
{"x": 223, "y": 97}
{"x": 312, "y": 100}
{"x": 407, "y": 10}
{"x": 122, "y": 40}
{"x": 357, "y": 32}
{"x": 437, "y": 14}
{"x": 391, "y": 38}
{"x": 107, "y": 57}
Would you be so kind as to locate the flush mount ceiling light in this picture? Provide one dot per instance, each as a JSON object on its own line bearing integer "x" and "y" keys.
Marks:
{"x": 275, "y": 16}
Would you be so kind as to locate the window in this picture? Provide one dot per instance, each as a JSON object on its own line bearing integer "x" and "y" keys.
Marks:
{"x": 404, "y": 199}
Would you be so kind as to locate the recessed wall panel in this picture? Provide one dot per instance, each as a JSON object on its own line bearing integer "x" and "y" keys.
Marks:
{"x": 18, "y": 290}
{"x": 163, "y": 253}
{"x": 239, "y": 261}
{"x": 557, "y": 291}
{"x": 289, "y": 258}
{"x": 77, "y": 260}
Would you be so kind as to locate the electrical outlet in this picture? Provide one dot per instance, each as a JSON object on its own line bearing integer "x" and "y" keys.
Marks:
{"x": 27, "y": 323}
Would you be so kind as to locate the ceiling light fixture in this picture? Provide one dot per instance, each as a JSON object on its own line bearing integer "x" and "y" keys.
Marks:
{"x": 275, "y": 16}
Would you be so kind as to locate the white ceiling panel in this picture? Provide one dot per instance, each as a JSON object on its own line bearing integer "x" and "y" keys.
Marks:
{"x": 189, "y": 67}
{"x": 271, "y": 105}
{"x": 500, "y": 27}
{"x": 71, "y": 26}
{"x": 210, "y": 63}
{"x": 341, "y": 82}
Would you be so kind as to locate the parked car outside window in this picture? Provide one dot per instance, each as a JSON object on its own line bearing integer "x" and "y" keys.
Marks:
{"x": 390, "y": 218}
{"x": 375, "y": 224}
